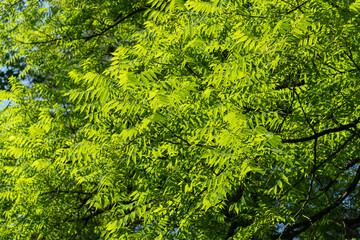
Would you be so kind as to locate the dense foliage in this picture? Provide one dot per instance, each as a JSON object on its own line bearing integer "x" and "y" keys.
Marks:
{"x": 180, "y": 119}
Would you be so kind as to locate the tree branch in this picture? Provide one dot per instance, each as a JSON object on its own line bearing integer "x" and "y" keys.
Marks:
{"x": 325, "y": 132}
{"x": 115, "y": 24}
{"x": 352, "y": 59}
{"x": 300, "y": 227}
{"x": 296, "y": 8}
{"x": 87, "y": 38}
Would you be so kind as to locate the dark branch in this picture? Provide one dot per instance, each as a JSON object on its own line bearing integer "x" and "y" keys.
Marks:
{"x": 349, "y": 165}
{"x": 300, "y": 227}
{"x": 115, "y": 24}
{"x": 175, "y": 135}
{"x": 296, "y": 8}
{"x": 352, "y": 60}
{"x": 87, "y": 38}
{"x": 342, "y": 146}
{"x": 325, "y": 132}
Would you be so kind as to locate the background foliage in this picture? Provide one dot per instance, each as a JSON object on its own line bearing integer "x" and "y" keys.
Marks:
{"x": 173, "y": 119}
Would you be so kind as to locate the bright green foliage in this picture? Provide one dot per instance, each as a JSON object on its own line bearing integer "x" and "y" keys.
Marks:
{"x": 174, "y": 119}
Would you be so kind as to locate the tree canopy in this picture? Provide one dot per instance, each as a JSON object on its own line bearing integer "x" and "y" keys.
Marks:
{"x": 180, "y": 119}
